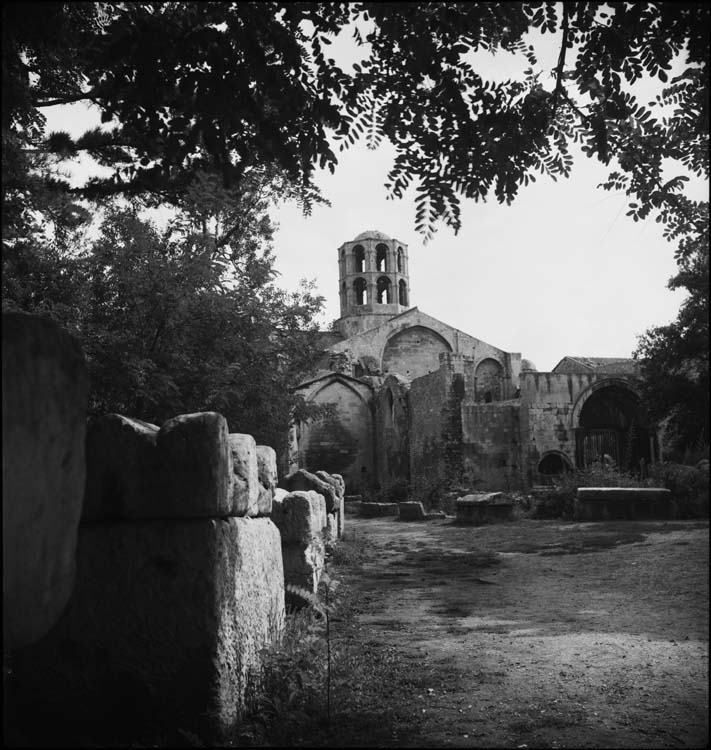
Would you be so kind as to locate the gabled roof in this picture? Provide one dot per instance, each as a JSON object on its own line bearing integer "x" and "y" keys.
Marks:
{"x": 613, "y": 365}
{"x": 323, "y": 374}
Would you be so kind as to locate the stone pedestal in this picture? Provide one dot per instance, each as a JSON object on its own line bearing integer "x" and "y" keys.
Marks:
{"x": 481, "y": 508}
{"x": 612, "y": 503}
{"x": 162, "y": 630}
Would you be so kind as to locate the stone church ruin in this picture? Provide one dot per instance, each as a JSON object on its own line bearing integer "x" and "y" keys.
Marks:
{"x": 421, "y": 402}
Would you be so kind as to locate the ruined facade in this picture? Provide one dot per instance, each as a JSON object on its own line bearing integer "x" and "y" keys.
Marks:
{"x": 421, "y": 402}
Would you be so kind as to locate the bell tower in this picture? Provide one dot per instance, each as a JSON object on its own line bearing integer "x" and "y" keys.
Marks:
{"x": 374, "y": 281}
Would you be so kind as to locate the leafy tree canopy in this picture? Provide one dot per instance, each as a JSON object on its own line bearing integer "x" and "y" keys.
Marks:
{"x": 227, "y": 87}
{"x": 178, "y": 320}
{"x": 674, "y": 359}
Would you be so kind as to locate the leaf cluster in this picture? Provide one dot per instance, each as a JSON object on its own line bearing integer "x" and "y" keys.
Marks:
{"x": 222, "y": 88}
{"x": 674, "y": 358}
{"x": 173, "y": 323}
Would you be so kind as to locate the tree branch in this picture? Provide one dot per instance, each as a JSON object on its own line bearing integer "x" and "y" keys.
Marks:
{"x": 561, "y": 60}
{"x": 66, "y": 99}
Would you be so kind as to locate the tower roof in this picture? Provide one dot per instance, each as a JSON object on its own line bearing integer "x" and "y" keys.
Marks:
{"x": 372, "y": 234}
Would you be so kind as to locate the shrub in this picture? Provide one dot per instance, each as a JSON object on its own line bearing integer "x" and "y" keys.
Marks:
{"x": 689, "y": 487}
{"x": 558, "y": 500}
{"x": 396, "y": 492}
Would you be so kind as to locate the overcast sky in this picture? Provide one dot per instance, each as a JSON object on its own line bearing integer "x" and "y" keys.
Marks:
{"x": 562, "y": 271}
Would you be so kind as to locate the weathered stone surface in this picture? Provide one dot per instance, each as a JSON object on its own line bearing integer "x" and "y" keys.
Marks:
{"x": 330, "y": 533}
{"x": 341, "y": 481}
{"x": 267, "y": 468}
{"x": 373, "y": 510}
{"x": 122, "y": 479}
{"x": 195, "y": 463}
{"x": 245, "y": 475}
{"x": 303, "y": 566}
{"x": 603, "y": 503}
{"x": 279, "y": 494}
{"x": 484, "y": 507}
{"x": 330, "y": 479}
{"x": 300, "y": 516}
{"x": 341, "y": 515}
{"x": 44, "y": 397}
{"x": 477, "y": 498}
{"x": 305, "y": 480}
{"x": 164, "y": 624}
{"x": 336, "y": 481}
{"x": 411, "y": 511}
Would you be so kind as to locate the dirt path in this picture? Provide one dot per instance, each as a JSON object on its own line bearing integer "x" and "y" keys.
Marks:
{"x": 537, "y": 633}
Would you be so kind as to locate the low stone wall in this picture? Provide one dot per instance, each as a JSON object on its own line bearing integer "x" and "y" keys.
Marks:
{"x": 411, "y": 511}
{"x": 179, "y": 584}
{"x": 302, "y": 521}
{"x": 608, "y": 503}
{"x": 309, "y": 512}
{"x": 330, "y": 486}
{"x": 481, "y": 508}
{"x": 376, "y": 510}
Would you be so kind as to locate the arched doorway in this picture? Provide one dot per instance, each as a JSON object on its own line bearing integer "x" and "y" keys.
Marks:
{"x": 612, "y": 426}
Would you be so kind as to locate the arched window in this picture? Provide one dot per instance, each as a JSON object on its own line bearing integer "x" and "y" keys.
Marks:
{"x": 402, "y": 291}
{"x": 359, "y": 258}
{"x": 384, "y": 290}
{"x": 359, "y": 289}
{"x": 343, "y": 294}
{"x": 489, "y": 376}
{"x": 381, "y": 258}
{"x": 399, "y": 260}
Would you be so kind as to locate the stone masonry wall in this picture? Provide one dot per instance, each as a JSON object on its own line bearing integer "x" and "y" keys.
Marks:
{"x": 392, "y": 419}
{"x": 547, "y": 401}
{"x": 179, "y": 584}
{"x": 429, "y": 397}
{"x": 491, "y": 445}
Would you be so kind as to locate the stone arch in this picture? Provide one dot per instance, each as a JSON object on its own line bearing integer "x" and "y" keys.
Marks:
{"x": 341, "y": 443}
{"x": 402, "y": 292}
{"x": 554, "y": 463}
{"x": 384, "y": 289}
{"x": 610, "y": 425}
{"x": 359, "y": 289}
{"x": 400, "y": 265}
{"x": 489, "y": 380}
{"x": 414, "y": 352}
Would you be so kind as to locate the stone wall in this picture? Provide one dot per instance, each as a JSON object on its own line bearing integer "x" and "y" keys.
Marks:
{"x": 180, "y": 583}
{"x": 547, "y": 401}
{"x": 491, "y": 445}
{"x": 342, "y": 444}
{"x": 392, "y": 420}
{"x": 429, "y": 397}
{"x": 310, "y": 515}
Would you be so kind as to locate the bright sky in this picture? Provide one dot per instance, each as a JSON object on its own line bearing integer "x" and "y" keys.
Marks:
{"x": 562, "y": 271}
